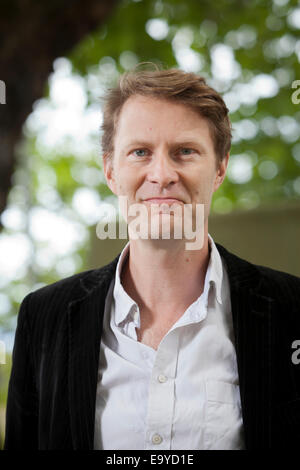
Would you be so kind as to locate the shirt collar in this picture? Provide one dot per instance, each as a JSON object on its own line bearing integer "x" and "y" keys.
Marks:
{"x": 215, "y": 269}
{"x": 125, "y": 305}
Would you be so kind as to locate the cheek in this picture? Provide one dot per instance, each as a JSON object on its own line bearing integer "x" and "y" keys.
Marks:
{"x": 126, "y": 183}
{"x": 203, "y": 188}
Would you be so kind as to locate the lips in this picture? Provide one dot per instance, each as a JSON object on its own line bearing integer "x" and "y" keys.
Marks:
{"x": 163, "y": 200}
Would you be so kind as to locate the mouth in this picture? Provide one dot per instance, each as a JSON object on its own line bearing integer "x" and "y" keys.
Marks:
{"x": 163, "y": 200}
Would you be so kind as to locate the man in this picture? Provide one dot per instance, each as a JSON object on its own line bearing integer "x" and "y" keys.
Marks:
{"x": 165, "y": 348}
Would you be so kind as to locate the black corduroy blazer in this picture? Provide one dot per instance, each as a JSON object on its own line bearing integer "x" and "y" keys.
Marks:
{"x": 52, "y": 388}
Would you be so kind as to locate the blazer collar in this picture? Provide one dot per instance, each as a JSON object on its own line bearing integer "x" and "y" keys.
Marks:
{"x": 251, "y": 313}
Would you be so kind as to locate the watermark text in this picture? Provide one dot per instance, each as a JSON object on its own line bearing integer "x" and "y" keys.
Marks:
{"x": 2, "y": 92}
{"x": 296, "y": 354}
{"x": 156, "y": 221}
{"x": 2, "y": 353}
{"x": 296, "y": 94}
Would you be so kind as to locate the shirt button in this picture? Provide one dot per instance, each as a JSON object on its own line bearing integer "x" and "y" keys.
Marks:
{"x": 136, "y": 316}
{"x": 156, "y": 439}
{"x": 162, "y": 378}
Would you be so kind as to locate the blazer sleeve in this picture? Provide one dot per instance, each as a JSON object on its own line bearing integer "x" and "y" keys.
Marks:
{"x": 21, "y": 429}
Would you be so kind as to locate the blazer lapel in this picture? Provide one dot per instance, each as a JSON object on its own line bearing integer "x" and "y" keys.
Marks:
{"x": 85, "y": 318}
{"x": 251, "y": 313}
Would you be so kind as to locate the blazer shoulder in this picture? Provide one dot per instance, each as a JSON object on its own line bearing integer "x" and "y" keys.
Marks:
{"x": 58, "y": 295}
{"x": 270, "y": 282}
{"x": 67, "y": 285}
{"x": 283, "y": 284}
{"x": 278, "y": 276}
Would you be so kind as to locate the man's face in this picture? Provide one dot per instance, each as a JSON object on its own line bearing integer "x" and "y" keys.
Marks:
{"x": 163, "y": 153}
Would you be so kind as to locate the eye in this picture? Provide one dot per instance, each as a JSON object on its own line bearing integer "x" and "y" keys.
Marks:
{"x": 186, "y": 151}
{"x": 140, "y": 152}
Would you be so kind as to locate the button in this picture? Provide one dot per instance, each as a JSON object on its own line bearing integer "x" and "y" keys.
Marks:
{"x": 162, "y": 378}
{"x": 156, "y": 439}
{"x": 136, "y": 316}
{"x": 135, "y": 313}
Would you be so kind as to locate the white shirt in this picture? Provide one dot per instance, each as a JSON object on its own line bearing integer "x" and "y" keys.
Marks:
{"x": 186, "y": 394}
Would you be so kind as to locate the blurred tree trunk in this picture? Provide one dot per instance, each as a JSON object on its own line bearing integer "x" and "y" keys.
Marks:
{"x": 32, "y": 34}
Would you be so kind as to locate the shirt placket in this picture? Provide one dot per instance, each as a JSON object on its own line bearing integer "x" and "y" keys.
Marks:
{"x": 161, "y": 396}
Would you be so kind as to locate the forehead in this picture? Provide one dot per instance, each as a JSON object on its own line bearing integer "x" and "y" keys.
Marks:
{"x": 159, "y": 118}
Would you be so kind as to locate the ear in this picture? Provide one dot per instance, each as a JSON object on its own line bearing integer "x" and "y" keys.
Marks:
{"x": 221, "y": 172}
{"x": 109, "y": 171}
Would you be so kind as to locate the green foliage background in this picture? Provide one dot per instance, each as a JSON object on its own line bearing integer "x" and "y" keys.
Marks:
{"x": 263, "y": 40}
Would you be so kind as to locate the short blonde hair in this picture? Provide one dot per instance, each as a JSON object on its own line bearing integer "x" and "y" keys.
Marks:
{"x": 175, "y": 85}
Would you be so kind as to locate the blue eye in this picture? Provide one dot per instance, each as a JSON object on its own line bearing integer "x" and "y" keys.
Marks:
{"x": 140, "y": 152}
{"x": 186, "y": 151}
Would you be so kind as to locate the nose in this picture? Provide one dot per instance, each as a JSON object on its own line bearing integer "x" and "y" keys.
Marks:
{"x": 162, "y": 170}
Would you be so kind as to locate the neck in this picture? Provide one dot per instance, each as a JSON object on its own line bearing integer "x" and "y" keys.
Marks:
{"x": 162, "y": 276}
